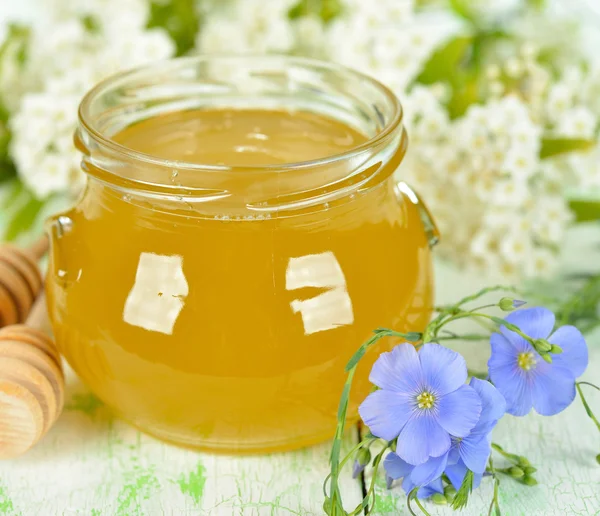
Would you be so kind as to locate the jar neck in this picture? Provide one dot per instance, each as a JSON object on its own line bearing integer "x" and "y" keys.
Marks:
{"x": 275, "y": 82}
{"x": 244, "y": 194}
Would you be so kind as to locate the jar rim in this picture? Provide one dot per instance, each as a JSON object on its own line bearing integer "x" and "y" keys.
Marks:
{"x": 386, "y": 132}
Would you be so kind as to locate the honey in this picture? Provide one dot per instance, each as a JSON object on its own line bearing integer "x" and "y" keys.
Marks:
{"x": 223, "y": 325}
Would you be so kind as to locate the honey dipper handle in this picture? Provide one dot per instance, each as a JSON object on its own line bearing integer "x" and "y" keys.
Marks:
{"x": 39, "y": 248}
{"x": 38, "y": 317}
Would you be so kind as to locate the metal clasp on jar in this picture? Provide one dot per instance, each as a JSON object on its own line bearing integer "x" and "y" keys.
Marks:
{"x": 431, "y": 230}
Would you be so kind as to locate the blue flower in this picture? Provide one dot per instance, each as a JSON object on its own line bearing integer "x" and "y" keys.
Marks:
{"x": 422, "y": 400}
{"x": 456, "y": 473}
{"x": 523, "y": 377}
{"x": 470, "y": 452}
{"x": 396, "y": 468}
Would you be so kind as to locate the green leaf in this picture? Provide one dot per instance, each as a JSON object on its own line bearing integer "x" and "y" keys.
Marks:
{"x": 445, "y": 62}
{"x": 536, "y": 4}
{"x": 463, "y": 9}
{"x": 453, "y": 64}
{"x": 555, "y": 146}
{"x": 179, "y": 18}
{"x": 463, "y": 97}
{"x": 585, "y": 210}
{"x": 327, "y": 10}
{"x": 23, "y": 217}
{"x": 462, "y": 496}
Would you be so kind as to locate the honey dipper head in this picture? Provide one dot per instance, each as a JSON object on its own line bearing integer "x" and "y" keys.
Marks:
{"x": 31, "y": 388}
{"x": 20, "y": 284}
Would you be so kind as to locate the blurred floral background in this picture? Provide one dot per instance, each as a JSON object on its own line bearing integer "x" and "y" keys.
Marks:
{"x": 502, "y": 101}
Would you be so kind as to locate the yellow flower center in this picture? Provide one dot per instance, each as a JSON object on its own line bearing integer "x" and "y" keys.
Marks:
{"x": 425, "y": 400}
{"x": 526, "y": 361}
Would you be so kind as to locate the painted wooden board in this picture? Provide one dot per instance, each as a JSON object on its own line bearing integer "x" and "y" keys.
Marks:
{"x": 92, "y": 464}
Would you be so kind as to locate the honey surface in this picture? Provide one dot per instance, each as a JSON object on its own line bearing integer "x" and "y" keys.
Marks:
{"x": 233, "y": 334}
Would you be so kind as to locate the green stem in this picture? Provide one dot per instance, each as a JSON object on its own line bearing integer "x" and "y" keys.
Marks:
{"x": 494, "y": 503}
{"x": 408, "y": 498}
{"x": 472, "y": 336}
{"x": 413, "y": 496}
{"x": 364, "y": 505}
{"x": 483, "y": 292}
{"x": 333, "y": 478}
{"x": 418, "y": 502}
{"x": 497, "y": 320}
{"x": 510, "y": 456}
{"x": 587, "y": 408}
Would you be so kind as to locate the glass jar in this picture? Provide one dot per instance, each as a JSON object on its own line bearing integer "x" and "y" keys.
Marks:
{"x": 215, "y": 306}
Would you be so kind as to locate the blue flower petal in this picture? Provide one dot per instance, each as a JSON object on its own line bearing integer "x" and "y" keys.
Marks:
{"x": 444, "y": 370}
{"x": 426, "y": 491}
{"x": 504, "y": 351}
{"x": 421, "y": 438}
{"x": 398, "y": 370}
{"x": 553, "y": 389}
{"x": 453, "y": 454}
{"x": 507, "y": 347}
{"x": 493, "y": 404}
{"x": 395, "y": 467}
{"x": 476, "y": 452}
{"x": 575, "y": 351}
{"x": 427, "y": 472}
{"x": 537, "y": 322}
{"x": 512, "y": 383}
{"x": 386, "y": 413}
{"x": 458, "y": 412}
{"x": 408, "y": 485}
{"x": 456, "y": 473}
{"x": 436, "y": 486}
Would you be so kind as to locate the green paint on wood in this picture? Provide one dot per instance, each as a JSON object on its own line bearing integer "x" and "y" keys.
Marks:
{"x": 386, "y": 501}
{"x": 139, "y": 486}
{"x": 193, "y": 484}
{"x": 6, "y": 505}
{"x": 86, "y": 403}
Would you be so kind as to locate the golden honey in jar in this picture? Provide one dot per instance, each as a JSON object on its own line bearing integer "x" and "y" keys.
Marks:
{"x": 239, "y": 237}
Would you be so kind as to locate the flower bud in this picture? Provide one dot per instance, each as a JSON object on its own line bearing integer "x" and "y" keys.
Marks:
{"x": 516, "y": 472}
{"x": 542, "y": 345}
{"x": 439, "y": 499}
{"x": 508, "y": 304}
{"x": 363, "y": 457}
{"x": 449, "y": 490}
{"x": 327, "y": 506}
{"x": 598, "y": 458}
{"x": 530, "y": 481}
{"x": 523, "y": 461}
{"x": 557, "y": 350}
{"x": 547, "y": 358}
{"x": 450, "y": 493}
{"x": 529, "y": 470}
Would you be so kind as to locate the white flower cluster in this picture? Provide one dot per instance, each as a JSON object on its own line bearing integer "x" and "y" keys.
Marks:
{"x": 495, "y": 189}
{"x": 248, "y": 26}
{"x": 80, "y": 44}
{"x": 498, "y": 204}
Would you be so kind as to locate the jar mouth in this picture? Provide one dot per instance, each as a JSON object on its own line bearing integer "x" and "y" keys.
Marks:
{"x": 119, "y": 100}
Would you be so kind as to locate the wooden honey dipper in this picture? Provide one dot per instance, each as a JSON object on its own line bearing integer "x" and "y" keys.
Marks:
{"x": 32, "y": 383}
{"x": 20, "y": 280}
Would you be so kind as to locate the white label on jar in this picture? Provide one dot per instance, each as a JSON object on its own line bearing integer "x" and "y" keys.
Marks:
{"x": 157, "y": 296}
{"x": 328, "y": 310}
